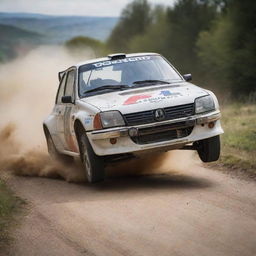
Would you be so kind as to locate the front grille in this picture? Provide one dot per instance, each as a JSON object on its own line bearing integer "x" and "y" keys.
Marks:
{"x": 163, "y": 132}
{"x": 147, "y": 117}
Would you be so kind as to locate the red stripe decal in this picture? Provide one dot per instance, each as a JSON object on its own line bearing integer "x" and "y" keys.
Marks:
{"x": 134, "y": 99}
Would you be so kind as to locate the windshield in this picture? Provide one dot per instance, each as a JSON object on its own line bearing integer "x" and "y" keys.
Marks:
{"x": 125, "y": 73}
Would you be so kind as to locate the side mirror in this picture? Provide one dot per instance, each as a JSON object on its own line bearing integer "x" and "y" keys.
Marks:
{"x": 66, "y": 99}
{"x": 187, "y": 77}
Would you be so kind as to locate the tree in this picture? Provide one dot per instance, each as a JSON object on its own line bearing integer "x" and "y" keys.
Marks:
{"x": 89, "y": 45}
{"x": 214, "y": 51}
{"x": 186, "y": 20}
{"x": 228, "y": 49}
{"x": 135, "y": 19}
{"x": 243, "y": 46}
{"x": 213, "y": 39}
{"x": 155, "y": 38}
{"x": 174, "y": 32}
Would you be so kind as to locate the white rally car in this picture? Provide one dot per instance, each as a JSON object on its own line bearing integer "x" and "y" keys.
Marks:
{"x": 121, "y": 106}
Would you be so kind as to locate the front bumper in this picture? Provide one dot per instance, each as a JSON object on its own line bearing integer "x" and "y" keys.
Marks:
{"x": 100, "y": 139}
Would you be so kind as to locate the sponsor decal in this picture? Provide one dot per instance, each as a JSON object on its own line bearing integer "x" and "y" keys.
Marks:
{"x": 134, "y": 99}
{"x": 113, "y": 62}
{"x": 88, "y": 120}
{"x": 166, "y": 93}
{"x": 151, "y": 98}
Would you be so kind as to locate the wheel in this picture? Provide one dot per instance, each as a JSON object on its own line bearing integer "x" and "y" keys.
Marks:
{"x": 209, "y": 149}
{"x": 93, "y": 164}
{"x": 53, "y": 152}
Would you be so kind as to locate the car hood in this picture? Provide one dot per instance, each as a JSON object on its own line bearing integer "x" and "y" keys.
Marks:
{"x": 147, "y": 98}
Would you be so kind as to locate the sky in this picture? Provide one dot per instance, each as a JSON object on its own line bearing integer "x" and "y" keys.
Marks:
{"x": 71, "y": 7}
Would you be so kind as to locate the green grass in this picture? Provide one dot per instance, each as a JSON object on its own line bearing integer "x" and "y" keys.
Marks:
{"x": 10, "y": 205}
{"x": 239, "y": 140}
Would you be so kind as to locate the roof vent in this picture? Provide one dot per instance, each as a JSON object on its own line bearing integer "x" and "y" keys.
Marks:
{"x": 117, "y": 56}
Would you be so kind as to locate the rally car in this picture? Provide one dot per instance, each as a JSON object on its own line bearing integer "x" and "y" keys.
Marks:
{"x": 125, "y": 105}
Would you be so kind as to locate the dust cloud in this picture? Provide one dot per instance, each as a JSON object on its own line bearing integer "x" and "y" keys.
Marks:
{"x": 28, "y": 87}
{"x": 175, "y": 162}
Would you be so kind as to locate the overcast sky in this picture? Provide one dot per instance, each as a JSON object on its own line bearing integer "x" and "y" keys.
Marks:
{"x": 71, "y": 7}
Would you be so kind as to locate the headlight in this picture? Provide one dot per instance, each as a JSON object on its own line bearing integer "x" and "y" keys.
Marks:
{"x": 111, "y": 119}
{"x": 204, "y": 104}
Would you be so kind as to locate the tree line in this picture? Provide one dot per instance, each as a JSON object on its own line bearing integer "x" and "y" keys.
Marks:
{"x": 213, "y": 39}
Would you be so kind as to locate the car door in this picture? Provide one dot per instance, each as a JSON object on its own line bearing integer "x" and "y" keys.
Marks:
{"x": 68, "y": 133}
{"x": 59, "y": 111}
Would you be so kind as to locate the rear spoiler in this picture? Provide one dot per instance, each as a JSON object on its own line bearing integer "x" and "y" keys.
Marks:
{"x": 60, "y": 75}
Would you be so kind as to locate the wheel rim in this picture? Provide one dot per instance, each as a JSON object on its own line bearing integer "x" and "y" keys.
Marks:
{"x": 86, "y": 161}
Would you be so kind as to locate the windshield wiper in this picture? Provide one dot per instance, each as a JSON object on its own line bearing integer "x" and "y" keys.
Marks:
{"x": 108, "y": 87}
{"x": 150, "y": 82}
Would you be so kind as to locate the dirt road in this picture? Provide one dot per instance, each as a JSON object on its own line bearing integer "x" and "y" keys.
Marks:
{"x": 197, "y": 212}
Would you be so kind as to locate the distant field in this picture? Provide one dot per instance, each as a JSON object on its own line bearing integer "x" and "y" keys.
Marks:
{"x": 239, "y": 140}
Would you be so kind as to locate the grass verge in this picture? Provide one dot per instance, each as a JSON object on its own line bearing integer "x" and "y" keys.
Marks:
{"x": 239, "y": 139}
{"x": 10, "y": 206}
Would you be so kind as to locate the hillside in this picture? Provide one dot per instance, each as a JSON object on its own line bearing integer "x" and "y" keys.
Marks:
{"x": 13, "y": 39}
{"x": 58, "y": 29}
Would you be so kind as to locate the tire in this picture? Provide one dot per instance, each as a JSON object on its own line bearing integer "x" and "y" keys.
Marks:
{"x": 93, "y": 164}
{"x": 209, "y": 149}
{"x": 54, "y": 154}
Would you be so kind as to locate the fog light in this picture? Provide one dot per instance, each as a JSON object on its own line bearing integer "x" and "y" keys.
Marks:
{"x": 113, "y": 141}
{"x": 211, "y": 125}
{"x": 133, "y": 132}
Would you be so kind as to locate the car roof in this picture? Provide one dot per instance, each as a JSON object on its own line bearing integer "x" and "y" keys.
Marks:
{"x": 108, "y": 58}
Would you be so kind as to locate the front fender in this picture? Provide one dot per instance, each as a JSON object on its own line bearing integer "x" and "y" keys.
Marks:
{"x": 216, "y": 102}
{"x": 85, "y": 114}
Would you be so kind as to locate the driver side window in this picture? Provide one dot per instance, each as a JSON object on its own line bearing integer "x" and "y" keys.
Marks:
{"x": 69, "y": 89}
